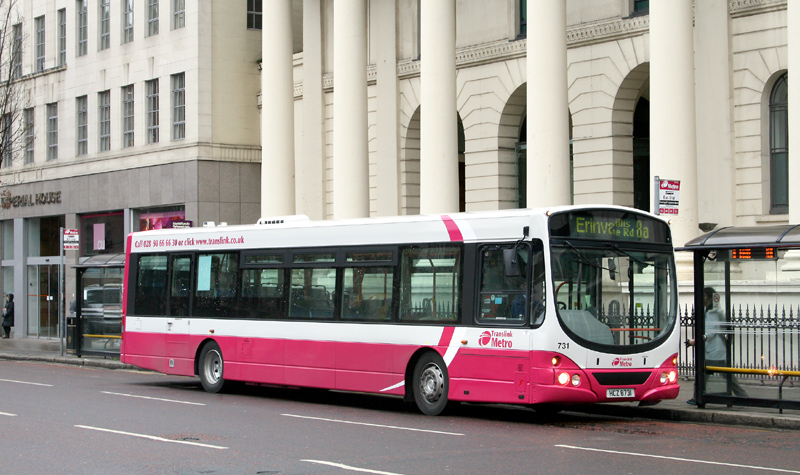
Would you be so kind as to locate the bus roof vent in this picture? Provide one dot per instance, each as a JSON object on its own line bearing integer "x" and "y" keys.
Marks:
{"x": 283, "y": 219}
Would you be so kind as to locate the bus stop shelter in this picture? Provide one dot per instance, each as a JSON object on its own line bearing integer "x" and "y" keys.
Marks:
{"x": 747, "y": 290}
{"x": 94, "y": 325}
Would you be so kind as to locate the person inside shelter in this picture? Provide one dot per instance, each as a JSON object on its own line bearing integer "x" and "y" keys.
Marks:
{"x": 716, "y": 342}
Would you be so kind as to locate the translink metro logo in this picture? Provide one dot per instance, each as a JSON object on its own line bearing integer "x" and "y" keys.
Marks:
{"x": 496, "y": 339}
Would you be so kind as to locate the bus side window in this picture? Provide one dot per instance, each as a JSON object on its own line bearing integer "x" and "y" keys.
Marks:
{"x": 430, "y": 283}
{"x": 262, "y": 293}
{"x": 367, "y": 293}
{"x": 312, "y": 293}
{"x": 217, "y": 281}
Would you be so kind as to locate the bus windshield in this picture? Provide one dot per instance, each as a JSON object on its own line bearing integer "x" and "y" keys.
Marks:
{"x": 610, "y": 295}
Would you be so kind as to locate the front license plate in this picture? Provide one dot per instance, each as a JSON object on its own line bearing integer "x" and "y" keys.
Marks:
{"x": 619, "y": 392}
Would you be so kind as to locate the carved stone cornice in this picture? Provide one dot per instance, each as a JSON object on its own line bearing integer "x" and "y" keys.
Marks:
{"x": 740, "y": 8}
{"x": 602, "y": 32}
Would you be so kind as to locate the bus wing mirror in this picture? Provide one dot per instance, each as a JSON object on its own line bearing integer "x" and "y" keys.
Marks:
{"x": 612, "y": 268}
{"x": 511, "y": 260}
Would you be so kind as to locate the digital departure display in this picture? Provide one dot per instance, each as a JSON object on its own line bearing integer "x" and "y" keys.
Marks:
{"x": 754, "y": 254}
{"x": 609, "y": 225}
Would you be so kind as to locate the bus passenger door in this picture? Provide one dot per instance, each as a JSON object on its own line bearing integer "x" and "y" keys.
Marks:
{"x": 177, "y": 331}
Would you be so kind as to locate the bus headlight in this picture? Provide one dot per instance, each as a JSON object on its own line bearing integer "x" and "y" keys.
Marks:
{"x": 669, "y": 377}
{"x": 563, "y": 379}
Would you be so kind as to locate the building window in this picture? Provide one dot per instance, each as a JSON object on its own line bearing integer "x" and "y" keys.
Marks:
{"x": 127, "y": 21}
{"x": 254, "y": 10}
{"x": 8, "y": 145}
{"x": 779, "y": 146}
{"x": 52, "y": 131}
{"x": 178, "y": 14}
{"x": 102, "y": 234}
{"x": 152, "y": 17}
{"x": 104, "y": 115}
{"x": 152, "y": 111}
{"x": 105, "y": 24}
{"x": 178, "y": 106}
{"x": 127, "y": 116}
{"x": 641, "y": 5}
{"x": 62, "y": 37}
{"x": 523, "y": 18}
{"x": 40, "y": 43}
{"x": 82, "y": 28}
{"x": 29, "y": 135}
{"x": 16, "y": 58}
{"x": 82, "y": 107}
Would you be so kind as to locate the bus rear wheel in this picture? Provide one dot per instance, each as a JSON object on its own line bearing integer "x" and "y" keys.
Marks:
{"x": 430, "y": 384}
{"x": 211, "y": 367}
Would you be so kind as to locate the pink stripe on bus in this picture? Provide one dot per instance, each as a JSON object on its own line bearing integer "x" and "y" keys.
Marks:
{"x": 447, "y": 335}
{"x": 452, "y": 228}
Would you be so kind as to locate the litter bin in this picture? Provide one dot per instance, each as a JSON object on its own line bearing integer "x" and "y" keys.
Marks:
{"x": 72, "y": 335}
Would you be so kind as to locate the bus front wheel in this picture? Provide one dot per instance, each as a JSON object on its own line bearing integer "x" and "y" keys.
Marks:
{"x": 430, "y": 384}
{"x": 210, "y": 368}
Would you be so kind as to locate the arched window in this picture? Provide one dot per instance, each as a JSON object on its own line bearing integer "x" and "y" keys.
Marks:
{"x": 779, "y": 147}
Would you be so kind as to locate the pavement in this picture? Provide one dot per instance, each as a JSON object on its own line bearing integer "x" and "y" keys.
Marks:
{"x": 51, "y": 351}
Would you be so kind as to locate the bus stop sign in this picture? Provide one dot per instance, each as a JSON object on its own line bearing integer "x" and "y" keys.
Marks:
{"x": 72, "y": 240}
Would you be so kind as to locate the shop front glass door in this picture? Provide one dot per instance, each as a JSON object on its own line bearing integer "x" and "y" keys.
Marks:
{"x": 43, "y": 301}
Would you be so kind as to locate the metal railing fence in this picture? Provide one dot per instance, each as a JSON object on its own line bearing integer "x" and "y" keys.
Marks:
{"x": 761, "y": 338}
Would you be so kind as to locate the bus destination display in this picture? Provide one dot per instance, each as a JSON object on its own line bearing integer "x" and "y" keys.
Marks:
{"x": 608, "y": 225}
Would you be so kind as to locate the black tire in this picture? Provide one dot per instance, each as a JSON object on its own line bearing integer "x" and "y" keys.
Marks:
{"x": 210, "y": 367}
{"x": 430, "y": 384}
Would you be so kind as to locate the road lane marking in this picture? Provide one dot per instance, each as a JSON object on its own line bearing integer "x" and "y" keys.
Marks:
{"x": 679, "y": 459}
{"x": 26, "y": 382}
{"x": 347, "y": 467}
{"x": 154, "y": 398}
{"x": 7, "y": 414}
{"x": 372, "y": 425}
{"x": 152, "y": 437}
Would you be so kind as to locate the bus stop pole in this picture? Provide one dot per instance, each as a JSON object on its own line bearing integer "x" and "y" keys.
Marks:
{"x": 656, "y": 189}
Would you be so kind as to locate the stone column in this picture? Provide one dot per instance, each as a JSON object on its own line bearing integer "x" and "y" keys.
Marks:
{"x": 311, "y": 161}
{"x": 793, "y": 23}
{"x": 277, "y": 111}
{"x": 350, "y": 153}
{"x": 791, "y": 263}
{"x": 387, "y": 191}
{"x": 548, "y": 159}
{"x": 673, "y": 145}
{"x": 438, "y": 111}
{"x": 714, "y": 112}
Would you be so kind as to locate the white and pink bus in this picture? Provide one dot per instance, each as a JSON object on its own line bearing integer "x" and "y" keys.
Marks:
{"x": 570, "y": 305}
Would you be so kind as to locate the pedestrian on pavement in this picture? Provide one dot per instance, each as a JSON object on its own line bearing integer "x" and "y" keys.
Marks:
{"x": 8, "y": 315}
{"x": 716, "y": 342}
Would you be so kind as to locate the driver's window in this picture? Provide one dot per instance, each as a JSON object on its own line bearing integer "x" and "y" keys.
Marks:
{"x": 504, "y": 290}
